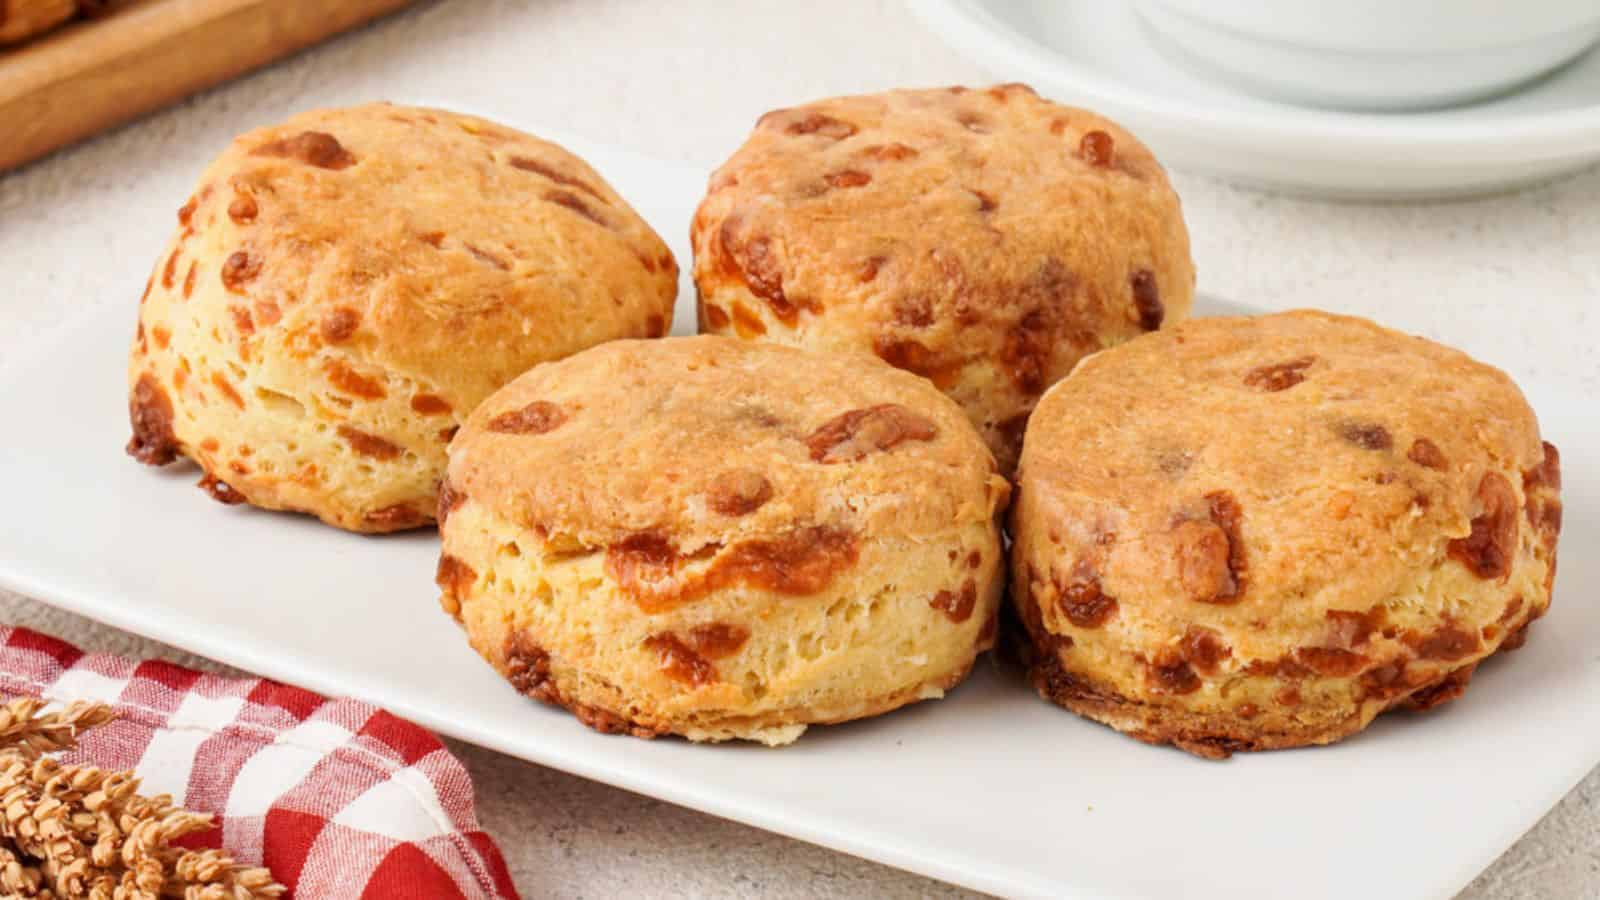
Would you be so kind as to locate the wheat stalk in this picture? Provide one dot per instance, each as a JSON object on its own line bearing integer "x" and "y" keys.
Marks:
{"x": 76, "y": 831}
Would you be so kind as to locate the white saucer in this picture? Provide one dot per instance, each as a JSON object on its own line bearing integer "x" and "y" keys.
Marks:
{"x": 1100, "y": 55}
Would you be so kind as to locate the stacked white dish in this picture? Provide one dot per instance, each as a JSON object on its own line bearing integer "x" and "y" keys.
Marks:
{"x": 1311, "y": 98}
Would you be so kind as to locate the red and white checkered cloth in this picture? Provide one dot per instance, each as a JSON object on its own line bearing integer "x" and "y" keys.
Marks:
{"x": 338, "y": 798}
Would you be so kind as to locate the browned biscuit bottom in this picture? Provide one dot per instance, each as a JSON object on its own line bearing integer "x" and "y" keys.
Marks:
{"x": 1218, "y": 737}
{"x": 527, "y": 668}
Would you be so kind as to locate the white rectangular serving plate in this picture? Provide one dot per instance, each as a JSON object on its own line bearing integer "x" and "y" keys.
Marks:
{"x": 990, "y": 788}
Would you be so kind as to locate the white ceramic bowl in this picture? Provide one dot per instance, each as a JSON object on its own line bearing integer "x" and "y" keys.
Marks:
{"x": 1376, "y": 54}
{"x": 1103, "y": 55}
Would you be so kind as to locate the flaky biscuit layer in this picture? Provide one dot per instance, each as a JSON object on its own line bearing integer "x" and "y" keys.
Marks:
{"x": 345, "y": 287}
{"x": 720, "y": 539}
{"x": 986, "y": 239}
{"x": 1253, "y": 533}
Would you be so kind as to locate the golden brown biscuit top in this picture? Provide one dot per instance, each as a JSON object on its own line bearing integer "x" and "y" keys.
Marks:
{"x": 933, "y": 210}
{"x": 443, "y": 246}
{"x": 1261, "y": 465}
{"x": 696, "y": 441}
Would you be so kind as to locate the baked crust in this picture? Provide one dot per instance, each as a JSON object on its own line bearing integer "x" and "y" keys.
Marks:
{"x": 1262, "y": 533}
{"x": 986, "y": 239}
{"x": 665, "y": 434}
{"x": 721, "y": 539}
{"x": 323, "y": 320}
{"x": 1219, "y": 736}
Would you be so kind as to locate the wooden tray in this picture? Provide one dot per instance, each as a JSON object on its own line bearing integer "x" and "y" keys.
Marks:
{"x": 95, "y": 74}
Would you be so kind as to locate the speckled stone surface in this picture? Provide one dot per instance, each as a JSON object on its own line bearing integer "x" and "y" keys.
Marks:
{"x": 1514, "y": 279}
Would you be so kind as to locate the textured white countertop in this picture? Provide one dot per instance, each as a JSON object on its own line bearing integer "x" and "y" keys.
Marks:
{"x": 1513, "y": 279}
